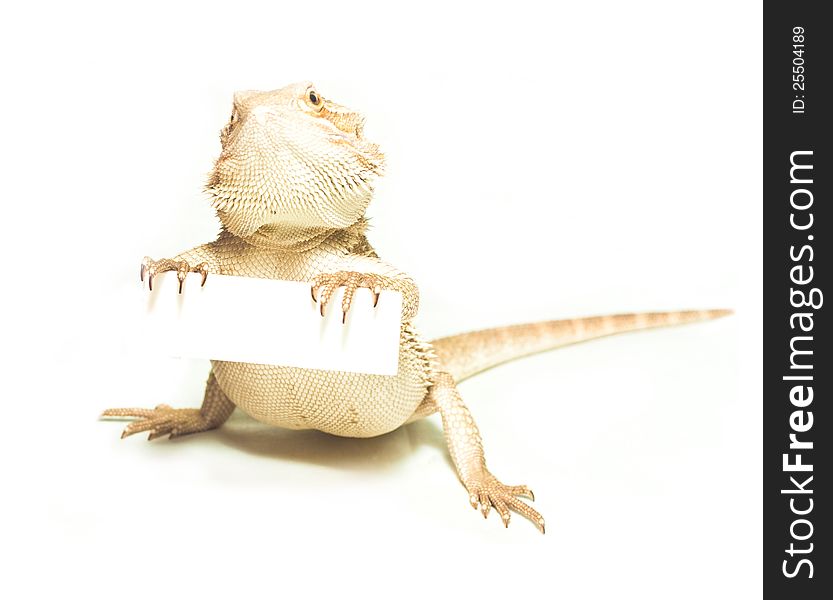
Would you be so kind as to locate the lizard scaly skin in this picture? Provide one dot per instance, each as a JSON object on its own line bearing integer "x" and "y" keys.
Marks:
{"x": 290, "y": 187}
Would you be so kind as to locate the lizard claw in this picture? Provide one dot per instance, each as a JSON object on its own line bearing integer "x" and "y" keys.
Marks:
{"x": 485, "y": 505}
{"x": 328, "y": 283}
{"x": 181, "y": 272}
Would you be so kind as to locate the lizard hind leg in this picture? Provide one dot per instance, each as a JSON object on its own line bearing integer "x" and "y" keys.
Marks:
{"x": 466, "y": 448}
{"x": 174, "y": 422}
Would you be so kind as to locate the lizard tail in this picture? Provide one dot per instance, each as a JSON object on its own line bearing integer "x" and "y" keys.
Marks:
{"x": 467, "y": 354}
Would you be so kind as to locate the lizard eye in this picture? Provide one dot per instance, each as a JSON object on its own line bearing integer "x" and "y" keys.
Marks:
{"x": 226, "y": 131}
{"x": 314, "y": 98}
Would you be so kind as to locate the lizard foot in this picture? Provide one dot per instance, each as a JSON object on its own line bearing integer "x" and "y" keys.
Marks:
{"x": 327, "y": 283}
{"x": 151, "y": 268}
{"x": 486, "y": 490}
{"x": 162, "y": 420}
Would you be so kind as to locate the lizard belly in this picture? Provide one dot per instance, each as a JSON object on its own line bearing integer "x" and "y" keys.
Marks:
{"x": 345, "y": 404}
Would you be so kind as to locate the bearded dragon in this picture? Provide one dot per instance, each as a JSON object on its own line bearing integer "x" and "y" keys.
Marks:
{"x": 290, "y": 187}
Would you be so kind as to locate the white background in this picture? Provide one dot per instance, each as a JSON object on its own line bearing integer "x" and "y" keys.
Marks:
{"x": 544, "y": 161}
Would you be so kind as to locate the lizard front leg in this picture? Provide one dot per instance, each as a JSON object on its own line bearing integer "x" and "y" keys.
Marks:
{"x": 372, "y": 274}
{"x": 174, "y": 422}
{"x": 466, "y": 448}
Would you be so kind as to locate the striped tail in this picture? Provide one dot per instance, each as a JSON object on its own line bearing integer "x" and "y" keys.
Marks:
{"x": 467, "y": 354}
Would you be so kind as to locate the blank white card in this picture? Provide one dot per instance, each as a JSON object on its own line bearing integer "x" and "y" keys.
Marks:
{"x": 266, "y": 321}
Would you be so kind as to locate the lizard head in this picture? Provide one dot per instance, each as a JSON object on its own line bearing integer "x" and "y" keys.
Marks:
{"x": 292, "y": 158}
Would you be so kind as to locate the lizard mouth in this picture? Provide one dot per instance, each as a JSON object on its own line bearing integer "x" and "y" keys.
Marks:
{"x": 345, "y": 120}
